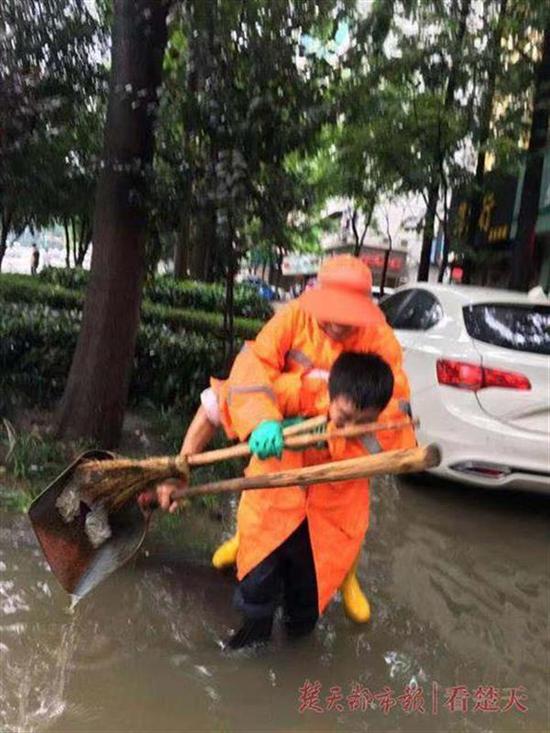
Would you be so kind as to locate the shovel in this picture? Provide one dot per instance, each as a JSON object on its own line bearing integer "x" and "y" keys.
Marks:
{"x": 75, "y": 562}
{"x": 79, "y": 566}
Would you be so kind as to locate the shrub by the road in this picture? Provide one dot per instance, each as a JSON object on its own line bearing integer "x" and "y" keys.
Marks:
{"x": 24, "y": 289}
{"x": 37, "y": 343}
{"x": 166, "y": 290}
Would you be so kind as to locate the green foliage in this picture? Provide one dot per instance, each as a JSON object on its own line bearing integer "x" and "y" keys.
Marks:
{"x": 13, "y": 499}
{"x": 176, "y": 293}
{"x": 36, "y": 345}
{"x": 51, "y": 84}
{"x": 168, "y": 424}
{"x": 207, "y": 297}
{"x": 30, "y": 455}
{"x": 246, "y": 86}
{"x": 65, "y": 277}
{"x": 199, "y": 321}
{"x": 431, "y": 87}
{"x": 24, "y": 289}
{"x": 264, "y": 115}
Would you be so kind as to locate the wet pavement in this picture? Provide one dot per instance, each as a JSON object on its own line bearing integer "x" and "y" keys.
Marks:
{"x": 459, "y": 586}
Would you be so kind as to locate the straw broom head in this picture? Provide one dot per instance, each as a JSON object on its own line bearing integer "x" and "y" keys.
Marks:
{"x": 115, "y": 482}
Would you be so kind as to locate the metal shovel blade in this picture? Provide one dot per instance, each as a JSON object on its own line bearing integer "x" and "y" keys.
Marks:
{"x": 75, "y": 562}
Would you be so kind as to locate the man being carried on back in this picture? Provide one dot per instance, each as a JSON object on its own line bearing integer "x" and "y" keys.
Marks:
{"x": 308, "y": 540}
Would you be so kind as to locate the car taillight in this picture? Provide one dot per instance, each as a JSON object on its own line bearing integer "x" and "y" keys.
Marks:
{"x": 474, "y": 377}
{"x": 459, "y": 374}
{"x": 500, "y": 378}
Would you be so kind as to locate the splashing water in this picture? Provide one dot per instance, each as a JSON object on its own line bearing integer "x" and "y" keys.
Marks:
{"x": 33, "y": 693}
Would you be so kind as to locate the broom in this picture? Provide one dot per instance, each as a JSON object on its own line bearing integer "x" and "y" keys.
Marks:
{"x": 113, "y": 483}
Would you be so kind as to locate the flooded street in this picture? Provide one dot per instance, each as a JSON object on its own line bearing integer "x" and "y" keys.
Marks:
{"x": 459, "y": 588}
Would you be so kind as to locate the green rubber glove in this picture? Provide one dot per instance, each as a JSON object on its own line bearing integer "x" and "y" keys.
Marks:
{"x": 266, "y": 440}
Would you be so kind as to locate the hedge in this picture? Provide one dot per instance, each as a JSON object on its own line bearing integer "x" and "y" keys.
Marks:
{"x": 37, "y": 344}
{"x": 75, "y": 279}
{"x": 33, "y": 291}
{"x": 202, "y": 296}
{"x": 166, "y": 290}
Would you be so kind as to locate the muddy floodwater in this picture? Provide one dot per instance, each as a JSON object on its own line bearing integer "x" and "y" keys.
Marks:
{"x": 459, "y": 586}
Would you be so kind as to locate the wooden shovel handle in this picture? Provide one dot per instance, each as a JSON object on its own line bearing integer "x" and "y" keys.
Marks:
{"x": 397, "y": 461}
{"x": 292, "y": 440}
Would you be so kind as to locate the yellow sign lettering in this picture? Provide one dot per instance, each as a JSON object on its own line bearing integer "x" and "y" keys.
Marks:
{"x": 484, "y": 222}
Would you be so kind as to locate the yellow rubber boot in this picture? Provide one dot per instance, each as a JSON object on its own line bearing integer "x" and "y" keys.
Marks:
{"x": 356, "y": 605}
{"x": 226, "y": 554}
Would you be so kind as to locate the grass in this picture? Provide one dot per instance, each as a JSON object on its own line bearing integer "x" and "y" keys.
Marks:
{"x": 31, "y": 457}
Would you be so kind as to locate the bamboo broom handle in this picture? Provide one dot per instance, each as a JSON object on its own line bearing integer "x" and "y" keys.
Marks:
{"x": 352, "y": 431}
{"x": 297, "y": 441}
{"x": 242, "y": 450}
{"x": 306, "y": 425}
{"x": 393, "y": 462}
{"x": 179, "y": 465}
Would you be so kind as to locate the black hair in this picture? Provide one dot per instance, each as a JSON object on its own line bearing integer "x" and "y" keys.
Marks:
{"x": 365, "y": 379}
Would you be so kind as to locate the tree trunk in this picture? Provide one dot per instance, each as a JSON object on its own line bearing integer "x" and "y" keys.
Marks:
{"x": 524, "y": 246}
{"x": 208, "y": 242}
{"x": 67, "y": 244}
{"x": 446, "y": 242}
{"x": 484, "y": 132}
{"x": 279, "y": 266}
{"x": 229, "y": 313}
{"x": 81, "y": 242}
{"x": 385, "y": 270}
{"x": 386, "y": 257}
{"x": 195, "y": 262}
{"x": 181, "y": 247}
{"x": 97, "y": 389}
{"x": 74, "y": 238}
{"x": 360, "y": 238}
{"x": 428, "y": 234}
{"x": 84, "y": 244}
{"x": 197, "y": 249}
{"x": 433, "y": 191}
{"x": 357, "y": 245}
{"x": 3, "y": 245}
{"x": 5, "y": 230}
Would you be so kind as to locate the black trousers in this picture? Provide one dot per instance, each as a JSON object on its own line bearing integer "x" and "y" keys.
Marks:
{"x": 287, "y": 575}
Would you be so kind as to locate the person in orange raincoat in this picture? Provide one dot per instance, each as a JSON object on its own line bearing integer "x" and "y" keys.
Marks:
{"x": 305, "y": 338}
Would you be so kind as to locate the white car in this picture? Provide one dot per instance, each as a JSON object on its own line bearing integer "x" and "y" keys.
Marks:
{"x": 376, "y": 294}
{"x": 478, "y": 363}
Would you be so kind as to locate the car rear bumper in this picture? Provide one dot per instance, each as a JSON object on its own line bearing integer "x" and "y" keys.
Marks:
{"x": 517, "y": 479}
{"x": 477, "y": 449}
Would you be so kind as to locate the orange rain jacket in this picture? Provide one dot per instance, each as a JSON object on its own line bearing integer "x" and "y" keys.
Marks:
{"x": 267, "y": 383}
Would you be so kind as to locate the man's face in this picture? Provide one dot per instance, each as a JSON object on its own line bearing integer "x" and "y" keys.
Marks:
{"x": 343, "y": 412}
{"x": 337, "y": 331}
